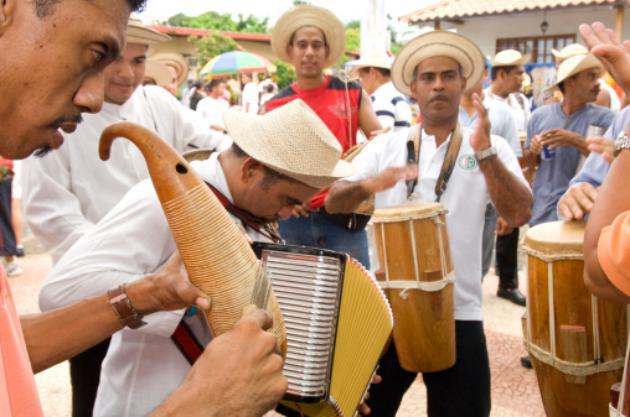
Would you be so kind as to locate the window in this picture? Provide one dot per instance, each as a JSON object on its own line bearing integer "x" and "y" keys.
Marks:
{"x": 538, "y": 46}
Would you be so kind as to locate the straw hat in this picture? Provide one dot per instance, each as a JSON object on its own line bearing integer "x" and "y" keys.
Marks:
{"x": 376, "y": 61}
{"x": 176, "y": 61}
{"x": 509, "y": 58}
{"x": 291, "y": 140}
{"x": 574, "y": 65}
{"x": 307, "y": 15}
{"x": 158, "y": 72}
{"x": 433, "y": 44}
{"x": 568, "y": 51}
{"x": 138, "y": 32}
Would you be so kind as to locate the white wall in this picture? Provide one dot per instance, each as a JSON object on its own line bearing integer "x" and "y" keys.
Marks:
{"x": 485, "y": 30}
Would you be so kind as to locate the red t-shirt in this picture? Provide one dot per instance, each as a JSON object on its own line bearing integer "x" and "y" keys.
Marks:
{"x": 334, "y": 102}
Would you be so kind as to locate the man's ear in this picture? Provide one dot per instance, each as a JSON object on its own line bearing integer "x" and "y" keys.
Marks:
{"x": 249, "y": 169}
{"x": 7, "y": 10}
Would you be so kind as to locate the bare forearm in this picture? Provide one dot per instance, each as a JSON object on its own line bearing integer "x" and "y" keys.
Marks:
{"x": 581, "y": 145}
{"x": 345, "y": 196}
{"x": 510, "y": 196}
{"x": 57, "y": 335}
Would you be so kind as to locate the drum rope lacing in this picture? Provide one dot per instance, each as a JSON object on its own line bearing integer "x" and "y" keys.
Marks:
{"x": 551, "y": 358}
{"x": 428, "y": 286}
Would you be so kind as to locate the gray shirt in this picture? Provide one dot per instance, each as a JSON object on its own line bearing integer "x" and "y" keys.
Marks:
{"x": 553, "y": 175}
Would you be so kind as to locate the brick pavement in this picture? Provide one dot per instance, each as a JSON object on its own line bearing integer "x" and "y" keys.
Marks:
{"x": 514, "y": 389}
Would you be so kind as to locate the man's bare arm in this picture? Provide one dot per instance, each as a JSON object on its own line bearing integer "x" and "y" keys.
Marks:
{"x": 57, "y": 335}
{"x": 368, "y": 121}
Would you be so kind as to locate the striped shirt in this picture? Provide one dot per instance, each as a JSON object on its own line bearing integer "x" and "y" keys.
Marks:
{"x": 390, "y": 107}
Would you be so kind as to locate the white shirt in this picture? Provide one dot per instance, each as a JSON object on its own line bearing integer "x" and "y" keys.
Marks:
{"x": 70, "y": 189}
{"x": 465, "y": 198}
{"x": 390, "y": 107}
{"x": 250, "y": 96}
{"x": 212, "y": 109}
{"x": 520, "y": 106}
{"x": 143, "y": 366}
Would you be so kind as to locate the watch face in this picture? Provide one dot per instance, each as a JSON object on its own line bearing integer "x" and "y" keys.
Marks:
{"x": 622, "y": 142}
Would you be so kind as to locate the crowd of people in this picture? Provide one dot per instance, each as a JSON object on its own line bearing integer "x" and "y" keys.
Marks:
{"x": 118, "y": 290}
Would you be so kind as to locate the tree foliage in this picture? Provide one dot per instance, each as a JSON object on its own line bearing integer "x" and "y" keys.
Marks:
{"x": 285, "y": 74}
{"x": 216, "y": 21}
{"x": 212, "y": 45}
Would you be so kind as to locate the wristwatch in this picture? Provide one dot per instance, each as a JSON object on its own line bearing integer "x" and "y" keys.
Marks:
{"x": 121, "y": 303}
{"x": 622, "y": 142}
{"x": 485, "y": 153}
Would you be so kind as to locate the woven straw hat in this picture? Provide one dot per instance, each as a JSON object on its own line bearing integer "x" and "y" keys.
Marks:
{"x": 509, "y": 58}
{"x": 376, "y": 61}
{"x": 138, "y": 32}
{"x": 574, "y": 65}
{"x": 307, "y": 15}
{"x": 568, "y": 51}
{"x": 291, "y": 140}
{"x": 434, "y": 44}
{"x": 158, "y": 72}
{"x": 176, "y": 61}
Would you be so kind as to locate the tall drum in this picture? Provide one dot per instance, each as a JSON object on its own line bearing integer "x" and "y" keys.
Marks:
{"x": 576, "y": 341}
{"x": 416, "y": 273}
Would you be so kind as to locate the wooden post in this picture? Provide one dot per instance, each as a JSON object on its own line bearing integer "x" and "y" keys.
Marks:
{"x": 436, "y": 24}
{"x": 621, "y": 8}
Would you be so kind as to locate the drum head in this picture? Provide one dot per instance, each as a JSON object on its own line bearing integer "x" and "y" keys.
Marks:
{"x": 407, "y": 212}
{"x": 560, "y": 239}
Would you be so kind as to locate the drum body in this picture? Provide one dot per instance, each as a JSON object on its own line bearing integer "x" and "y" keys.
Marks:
{"x": 576, "y": 341}
{"x": 416, "y": 273}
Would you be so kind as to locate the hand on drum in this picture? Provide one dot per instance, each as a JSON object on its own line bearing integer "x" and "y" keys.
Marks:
{"x": 239, "y": 374}
{"x": 615, "y": 55}
{"x": 577, "y": 201}
{"x": 167, "y": 289}
{"x": 480, "y": 139}
{"x": 603, "y": 146}
{"x": 389, "y": 177}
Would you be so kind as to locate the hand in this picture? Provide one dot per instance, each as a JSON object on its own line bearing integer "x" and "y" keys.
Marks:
{"x": 577, "y": 201}
{"x": 389, "y": 177}
{"x": 536, "y": 146}
{"x": 503, "y": 228}
{"x": 560, "y": 137}
{"x": 364, "y": 409}
{"x": 167, "y": 289}
{"x": 614, "y": 54}
{"x": 480, "y": 138}
{"x": 603, "y": 146}
{"x": 301, "y": 210}
{"x": 239, "y": 374}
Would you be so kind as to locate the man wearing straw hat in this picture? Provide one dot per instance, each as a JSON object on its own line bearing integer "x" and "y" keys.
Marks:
{"x": 462, "y": 169}
{"x": 178, "y": 68}
{"x": 507, "y": 70}
{"x": 68, "y": 191}
{"x": 389, "y": 105}
{"x": 278, "y": 160}
{"x": 312, "y": 38}
{"x": 39, "y": 102}
{"x": 556, "y": 133}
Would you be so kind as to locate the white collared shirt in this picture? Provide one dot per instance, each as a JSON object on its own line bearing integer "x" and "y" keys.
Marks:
{"x": 465, "y": 198}
{"x": 519, "y": 104}
{"x": 70, "y": 189}
{"x": 143, "y": 366}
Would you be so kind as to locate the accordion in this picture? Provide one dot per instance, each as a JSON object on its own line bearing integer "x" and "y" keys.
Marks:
{"x": 338, "y": 323}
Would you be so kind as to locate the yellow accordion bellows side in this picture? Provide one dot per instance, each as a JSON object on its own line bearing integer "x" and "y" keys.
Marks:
{"x": 218, "y": 258}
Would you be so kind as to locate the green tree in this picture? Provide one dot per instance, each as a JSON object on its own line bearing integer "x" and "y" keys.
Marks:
{"x": 216, "y": 21}
{"x": 212, "y": 45}
{"x": 285, "y": 74}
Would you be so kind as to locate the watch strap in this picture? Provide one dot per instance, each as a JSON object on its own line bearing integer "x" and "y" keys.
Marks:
{"x": 485, "y": 153}
{"x": 129, "y": 316}
{"x": 622, "y": 142}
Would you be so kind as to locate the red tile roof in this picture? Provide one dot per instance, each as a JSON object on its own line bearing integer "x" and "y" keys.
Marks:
{"x": 237, "y": 36}
{"x": 459, "y": 9}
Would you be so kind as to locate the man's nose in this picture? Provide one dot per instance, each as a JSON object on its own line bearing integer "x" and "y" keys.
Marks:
{"x": 89, "y": 96}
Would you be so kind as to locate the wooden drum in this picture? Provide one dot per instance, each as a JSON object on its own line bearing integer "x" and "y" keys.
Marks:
{"x": 576, "y": 341}
{"x": 416, "y": 273}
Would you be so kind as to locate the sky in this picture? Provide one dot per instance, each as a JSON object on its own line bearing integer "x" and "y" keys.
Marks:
{"x": 157, "y": 10}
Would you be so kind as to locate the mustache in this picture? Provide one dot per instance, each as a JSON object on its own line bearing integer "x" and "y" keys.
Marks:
{"x": 439, "y": 96}
{"x": 74, "y": 118}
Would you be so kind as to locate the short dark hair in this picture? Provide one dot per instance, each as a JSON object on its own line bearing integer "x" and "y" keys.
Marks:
{"x": 384, "y": 71}
{"x": 414, "y": 74}
{"x": 507, "y": 69}
{"x": 561, "y": 87}
{"x": 292, "y": 38}
{"x": 45, "y": 8}
{"x": 270, "y": 177}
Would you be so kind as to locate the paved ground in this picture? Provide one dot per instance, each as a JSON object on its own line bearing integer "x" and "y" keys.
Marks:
{"x": 514, "y": 389}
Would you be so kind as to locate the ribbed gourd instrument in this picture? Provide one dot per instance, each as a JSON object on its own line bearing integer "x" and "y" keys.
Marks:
{"x": 218, "y": 258}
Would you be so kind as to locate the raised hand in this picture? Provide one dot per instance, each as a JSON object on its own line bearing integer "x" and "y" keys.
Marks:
{"x": 480, "y": 138}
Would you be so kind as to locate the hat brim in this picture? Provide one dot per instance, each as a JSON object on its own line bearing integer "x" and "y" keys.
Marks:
{"x": 175, "y": 60}
{"x": 578, "y": 63}
{"x": 434, "y": 44}
{"x": 519, "y": 62}
{"x": 144, "y": 35}
{"x": 158, "y": 72}
{"x": 307, "y": 15}
{"x": 245, "y": 130}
